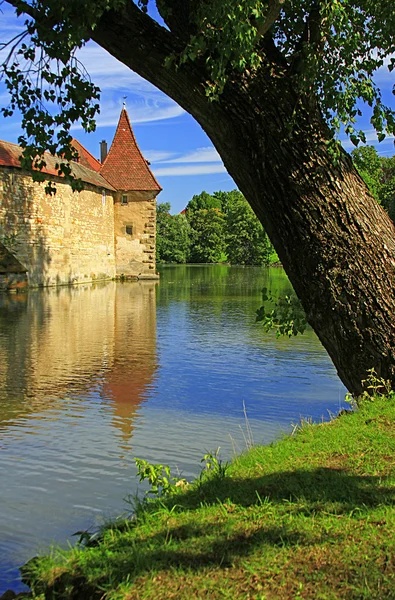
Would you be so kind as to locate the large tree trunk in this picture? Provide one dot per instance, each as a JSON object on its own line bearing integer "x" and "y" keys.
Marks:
{"x": 336, "y": 244}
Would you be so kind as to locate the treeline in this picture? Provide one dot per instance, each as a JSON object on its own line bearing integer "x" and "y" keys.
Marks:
{"x": 221, "y": 227}
{"x": 378, "y": 173}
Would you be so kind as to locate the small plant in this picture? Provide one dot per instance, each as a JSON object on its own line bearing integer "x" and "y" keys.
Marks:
{"x": 376, "y": 386}
{"x": 213, "y": 465}
{"x": 372, "y": 386}
{"x": 10, "y": 240}
{"x": 158, "y": 476}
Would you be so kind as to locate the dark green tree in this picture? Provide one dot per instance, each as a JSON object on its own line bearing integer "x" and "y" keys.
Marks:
{"x": 387, "y": 187}
{"x": 207, "y": 235}
{"x": 369, "y": 167}
{"x": 284, "y": 75}
{"x": 202, "y": 200}
{"x": 246, "y": 240}
{"x": 378, "y": 172}
{"x": 172, "y": 236}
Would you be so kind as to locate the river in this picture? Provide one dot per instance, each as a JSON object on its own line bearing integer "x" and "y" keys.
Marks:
{"x": 93, "y": 375}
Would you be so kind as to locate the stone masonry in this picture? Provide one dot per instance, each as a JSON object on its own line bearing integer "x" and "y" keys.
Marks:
{"x": 105, "y": 231}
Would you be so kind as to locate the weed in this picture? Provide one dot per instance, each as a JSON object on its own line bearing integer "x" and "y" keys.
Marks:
{"x": 376, "y": 386}
{"x": 158, "y": 476}
{"x": 213, "y": 465}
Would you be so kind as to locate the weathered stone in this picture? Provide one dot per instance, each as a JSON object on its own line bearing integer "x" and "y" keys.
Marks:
{"x": 70, "y": 237}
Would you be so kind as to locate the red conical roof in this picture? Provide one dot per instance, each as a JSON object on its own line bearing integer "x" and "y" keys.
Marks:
{"x": 125, "y": 168}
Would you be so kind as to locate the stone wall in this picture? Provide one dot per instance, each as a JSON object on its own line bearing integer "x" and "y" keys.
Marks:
{"x": 135, "y": 230}
{"x": 61, "y": 239}
{"x": 13, "y": 275}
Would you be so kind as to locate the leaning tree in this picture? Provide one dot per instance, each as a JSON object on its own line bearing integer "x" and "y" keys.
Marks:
{"x": 271, "y": 82}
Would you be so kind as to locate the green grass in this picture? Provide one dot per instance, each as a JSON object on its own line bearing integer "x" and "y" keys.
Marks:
{"x": 311, "y": 516}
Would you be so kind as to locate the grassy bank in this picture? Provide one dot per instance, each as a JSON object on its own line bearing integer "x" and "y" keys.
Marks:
{"x": 311, "y": 516}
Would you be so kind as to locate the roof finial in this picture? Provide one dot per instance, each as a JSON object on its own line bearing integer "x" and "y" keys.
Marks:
{"x": 124, "y": 101}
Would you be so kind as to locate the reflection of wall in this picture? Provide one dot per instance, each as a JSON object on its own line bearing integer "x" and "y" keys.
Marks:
{"x": 67, "y": 341}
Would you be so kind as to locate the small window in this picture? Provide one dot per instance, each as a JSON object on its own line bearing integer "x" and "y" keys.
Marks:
{"x": 124, "y": 199}
{"x": 103, "y": 197}
{"x": 129, "y": 230}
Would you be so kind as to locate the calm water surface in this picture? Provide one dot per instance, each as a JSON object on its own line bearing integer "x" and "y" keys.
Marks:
{"x": 92, "y": 376}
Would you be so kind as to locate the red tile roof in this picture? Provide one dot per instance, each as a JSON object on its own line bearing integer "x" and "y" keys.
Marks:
{"x": 86, "y": 159}
{"x": 125, "y": 167}
{"x": 10, "y": 153}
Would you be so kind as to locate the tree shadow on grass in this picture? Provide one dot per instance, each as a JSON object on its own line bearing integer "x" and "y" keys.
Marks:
{"x": 218, "y": 541}
{"x": 320, "y": 485}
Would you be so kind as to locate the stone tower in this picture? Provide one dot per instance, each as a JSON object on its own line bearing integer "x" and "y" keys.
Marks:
{"x": 128, "y": 172}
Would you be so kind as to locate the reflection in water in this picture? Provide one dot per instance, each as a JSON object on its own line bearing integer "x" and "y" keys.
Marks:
{"x": 75, "y": 364}
{"x": 94, "y": 375}
{"x": 128, "y": 380}
{"x": 57, "y": 342}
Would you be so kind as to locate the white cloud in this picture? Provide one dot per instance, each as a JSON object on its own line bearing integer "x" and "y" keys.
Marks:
{"x": 109, "y": 73}
{"x": 187, "y": 170}
{"x": 157, "y": 156}
{"x": 200, "y": 155}
{"x": 145, "y": 103}
{"x": 140, "y": 110}
{"x": 371, "y": 138}
{"x": 383, "y": 75}
{"x": 202, "y": 161}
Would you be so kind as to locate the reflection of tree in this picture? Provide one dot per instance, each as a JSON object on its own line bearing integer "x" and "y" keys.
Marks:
{"x": 183, "y": 282}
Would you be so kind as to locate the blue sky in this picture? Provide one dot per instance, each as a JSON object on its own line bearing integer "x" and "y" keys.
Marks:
{"x": 182, "y": 157}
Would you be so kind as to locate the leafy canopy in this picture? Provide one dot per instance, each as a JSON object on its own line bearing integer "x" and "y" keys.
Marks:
{"x": 331, "y": 49}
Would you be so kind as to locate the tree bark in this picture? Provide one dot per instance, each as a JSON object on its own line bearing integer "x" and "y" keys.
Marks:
{"x": 337, "y": 245}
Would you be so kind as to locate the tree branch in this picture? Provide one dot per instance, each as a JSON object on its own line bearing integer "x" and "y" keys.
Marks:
{"x": 177, "y": 16}
{"x": 274, "y": 9}
{"x": 311, "y": 35}
{"x": 23, "y": 7}
{"x": 143, "y": 45}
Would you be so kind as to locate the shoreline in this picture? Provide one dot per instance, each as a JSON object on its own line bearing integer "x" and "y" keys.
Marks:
{"x": 309, "y": 516}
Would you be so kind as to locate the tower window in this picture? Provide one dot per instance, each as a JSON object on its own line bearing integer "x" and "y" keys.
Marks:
{"x": 129, "y": 230}
{"x": 124, "y": 199}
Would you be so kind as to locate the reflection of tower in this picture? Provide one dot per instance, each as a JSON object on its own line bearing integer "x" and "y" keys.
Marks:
{"x": 65, "y": 343}
{"x": 127, "y": 382}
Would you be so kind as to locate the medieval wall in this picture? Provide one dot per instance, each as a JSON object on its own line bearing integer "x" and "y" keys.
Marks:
{"x": 135, "y": 229}
{"x": 61, "y": 239}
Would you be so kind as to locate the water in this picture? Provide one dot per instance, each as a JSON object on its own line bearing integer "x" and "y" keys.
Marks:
{"x": 92, "y": 376}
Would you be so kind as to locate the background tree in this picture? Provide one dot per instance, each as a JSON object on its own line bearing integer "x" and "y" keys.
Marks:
{"x": 246, "y": 240}
{"x": 284, "y": 76}
{"x": 369, "y": 167}
{"x": 378, "y": 172}
{"x": 172, "y": 235}
{"x": 387, "y": 190}
{"x": 203, "y": 200}
{"x": 207, "y": 235}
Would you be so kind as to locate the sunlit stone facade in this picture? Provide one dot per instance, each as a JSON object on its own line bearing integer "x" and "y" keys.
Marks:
{"x": 104, "y": 231}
